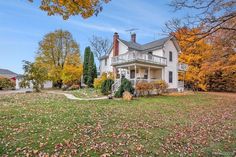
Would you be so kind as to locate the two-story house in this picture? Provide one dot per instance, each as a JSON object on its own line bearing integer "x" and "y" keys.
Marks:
{"x": 157, "y": 60}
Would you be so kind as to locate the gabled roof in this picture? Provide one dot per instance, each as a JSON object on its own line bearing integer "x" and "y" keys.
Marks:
{"x": 7, "y": 73}
{"x": 152, "y": 45}
{"x": 131, "y": 44}
{"x": 157, "y": 44}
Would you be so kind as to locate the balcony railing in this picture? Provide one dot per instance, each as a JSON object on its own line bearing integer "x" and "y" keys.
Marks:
{"x": 138, "y": 56}
{"x": 183, "y": 67}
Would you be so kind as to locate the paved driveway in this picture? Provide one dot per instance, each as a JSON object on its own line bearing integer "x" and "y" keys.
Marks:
{"x": 14, "y": 91}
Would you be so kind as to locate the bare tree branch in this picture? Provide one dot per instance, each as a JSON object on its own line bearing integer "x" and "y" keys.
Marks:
{"x": 211, "y": 15}
{"x": 100, "y": 46}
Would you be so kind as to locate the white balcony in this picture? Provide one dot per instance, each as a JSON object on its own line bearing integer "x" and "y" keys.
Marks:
{"x": 135, "y": 56}
{"x": 182, "y": 67}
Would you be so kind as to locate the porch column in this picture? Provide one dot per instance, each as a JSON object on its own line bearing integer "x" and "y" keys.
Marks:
{"x": 149, "y": 75}
{"x": 162, "y": 74}
{"x": 129, "y": 72}
{"x": 135, "y": 77}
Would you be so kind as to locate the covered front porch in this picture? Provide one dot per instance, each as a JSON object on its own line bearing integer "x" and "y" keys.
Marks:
{"x": 140, "y": 73}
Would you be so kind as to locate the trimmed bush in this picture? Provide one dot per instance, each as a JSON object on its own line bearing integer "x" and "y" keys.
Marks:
{"x": 157, "y": 87}
{"x": 126, "y": 85}
{"x": 160, "y": 86}
{"x": 106, "y": 86}
{"x": 6, "y": 83}
{"x": 143, "y": 87}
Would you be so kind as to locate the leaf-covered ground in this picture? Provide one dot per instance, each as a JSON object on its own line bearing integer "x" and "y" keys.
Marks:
{"x": 47, "y": 124}
{"x": 86, "y": 93}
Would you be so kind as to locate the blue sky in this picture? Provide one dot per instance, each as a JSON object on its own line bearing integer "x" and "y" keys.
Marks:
{"x": 23, "y": 25}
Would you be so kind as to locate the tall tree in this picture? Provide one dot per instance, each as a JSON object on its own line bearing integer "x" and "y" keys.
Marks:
{"x": 194, "y": 56}
{"x": 86, "y": 64}
{"x": 90, "y": 70}
{"x": 54, "y": 51}
{"x": 100, "y": 46}
{"x": 219, "y": 70}
{"x": 67, "y": 8}
{"x": 211, "y": 15}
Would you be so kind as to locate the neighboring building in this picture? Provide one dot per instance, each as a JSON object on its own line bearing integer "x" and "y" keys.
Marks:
{"x": 17, "y": 78}
{"x": 157, "y": 60}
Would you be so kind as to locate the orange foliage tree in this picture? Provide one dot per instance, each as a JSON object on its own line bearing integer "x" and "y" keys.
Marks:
{"x": 193, "y": 54}
{"x": 219, "y": 70}
{"x": 67, "y": 8}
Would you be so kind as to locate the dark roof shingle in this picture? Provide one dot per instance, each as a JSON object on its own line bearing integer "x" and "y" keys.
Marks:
{"x": 155, "y": 44}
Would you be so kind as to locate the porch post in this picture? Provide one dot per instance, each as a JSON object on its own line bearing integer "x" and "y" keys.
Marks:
{"x": 129, "y": 72}
{"x": 135, "y": 77}
{"x": 149, "y": 79}
{"x": 162, "y": 74}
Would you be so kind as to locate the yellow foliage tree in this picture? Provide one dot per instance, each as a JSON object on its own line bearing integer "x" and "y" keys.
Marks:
{"x": 193, "y": 54}
{"x": 59, "y": 53}
{"x": 73, "y": 70}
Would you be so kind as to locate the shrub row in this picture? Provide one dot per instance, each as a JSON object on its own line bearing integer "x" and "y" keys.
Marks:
{"x": 6, "y": 83}
{"x": 156, "y": 87}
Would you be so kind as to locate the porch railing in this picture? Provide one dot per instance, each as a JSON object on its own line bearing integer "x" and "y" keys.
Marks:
{"x": 138, "y": 56}
{"x": 115, "y": 86}
{"x": 180, "y": 84}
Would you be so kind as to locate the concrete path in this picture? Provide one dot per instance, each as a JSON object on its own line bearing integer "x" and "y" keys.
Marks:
{"x": 72, "y": 97}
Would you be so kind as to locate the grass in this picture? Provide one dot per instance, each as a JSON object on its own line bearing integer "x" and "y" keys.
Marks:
{"x": 47, "y": 124}
{"x": 86, "y": 93}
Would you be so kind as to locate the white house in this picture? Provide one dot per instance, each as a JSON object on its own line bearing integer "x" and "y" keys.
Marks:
{"x": 157, "y": 60}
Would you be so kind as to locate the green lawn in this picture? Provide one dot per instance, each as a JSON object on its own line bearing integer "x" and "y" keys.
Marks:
{"x": 41, "y": 124}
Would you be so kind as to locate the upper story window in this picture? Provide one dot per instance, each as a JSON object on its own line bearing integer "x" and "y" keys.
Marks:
{"x": 150, "y": 55}
{"x": 170, "y": 56}
{"x": 106, "y": 62}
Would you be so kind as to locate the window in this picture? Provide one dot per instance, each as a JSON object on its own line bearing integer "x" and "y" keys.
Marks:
{"x": 150, "y": 55}
{"x": 105, "y": 62}
{"x": 170, "y": 77}
{"x": 132, "y": 74}
{"x": 170, "y": 56}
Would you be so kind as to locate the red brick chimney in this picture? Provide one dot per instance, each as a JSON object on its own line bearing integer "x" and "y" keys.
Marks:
{"x": 115, "y": 44}
{"x": 133, "y": 37}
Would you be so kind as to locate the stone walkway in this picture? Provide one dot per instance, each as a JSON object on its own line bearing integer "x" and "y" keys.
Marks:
{"x": 72, "y": 97}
